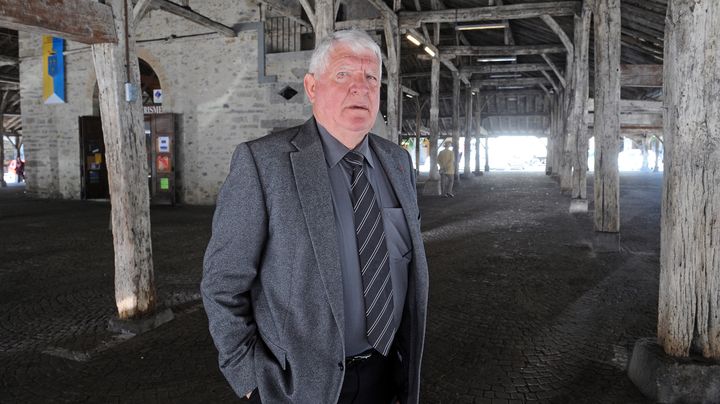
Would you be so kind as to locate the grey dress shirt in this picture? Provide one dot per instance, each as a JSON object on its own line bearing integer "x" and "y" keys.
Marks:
{"x": 397, "y": 236}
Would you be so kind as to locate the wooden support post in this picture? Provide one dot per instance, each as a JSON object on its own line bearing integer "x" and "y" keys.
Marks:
{"x": 3, "y": 105}
{"x": 478, "y": 132}
{"x": 656, "y": 149}
{"x": 468, "y": 131}
{"x": 566, "y": 146}
{"x": 689, "y": 301}
{"x": 577, "y": 126}
{"x": 394, "y": 94}
{"x": 456, "y": 122}
{"x": 607, "y": 115}
{"x": 124, "y": 133}
{"x": 324, "y": 19}
{"x": 645, "y": 167}
{"x": 418, "y": 123}
{"x": 434, "y": 124}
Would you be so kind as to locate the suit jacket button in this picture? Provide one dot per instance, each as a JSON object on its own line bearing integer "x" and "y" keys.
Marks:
{"x": 341, "y": 365}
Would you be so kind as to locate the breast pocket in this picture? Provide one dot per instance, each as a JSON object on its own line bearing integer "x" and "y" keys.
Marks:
{"x": 397, "y": 233}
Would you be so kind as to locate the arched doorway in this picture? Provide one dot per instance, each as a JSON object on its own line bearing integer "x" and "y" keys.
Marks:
{"x": 160, "y": 141}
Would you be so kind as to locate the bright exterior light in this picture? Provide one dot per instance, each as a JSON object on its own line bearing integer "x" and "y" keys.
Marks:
{"x": 429, "y": 51}
{"x": 479, "y": 26}
{"x": 408, "y": 95}
{"x": 500, "y": 59}
{"x": 510, "y": 87}
{"x": 413, "y": 39}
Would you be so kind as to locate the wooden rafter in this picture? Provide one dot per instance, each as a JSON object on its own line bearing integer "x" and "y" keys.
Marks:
{"x": 287, "y": 12}
{"x": 192, "y": 16}
{"x": 523, "y": 81}
{"x": 517, "y": 68}
{"x": 501, "y": 50}
{"x": 555, "y": 69}
{"x": 83, "y": 21}
{"x": 413, "y": 19}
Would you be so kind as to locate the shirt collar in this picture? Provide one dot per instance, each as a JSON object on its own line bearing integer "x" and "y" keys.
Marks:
{"x": 334, "y": 150}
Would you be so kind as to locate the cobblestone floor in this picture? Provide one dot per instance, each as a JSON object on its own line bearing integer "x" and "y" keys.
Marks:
{"x": 522, "y": 308}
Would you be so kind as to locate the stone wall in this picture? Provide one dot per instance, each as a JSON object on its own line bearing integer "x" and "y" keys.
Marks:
{"x": 208, "y": 80}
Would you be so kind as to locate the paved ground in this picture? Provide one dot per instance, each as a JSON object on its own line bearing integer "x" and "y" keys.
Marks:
{"x": 522, "y": 307}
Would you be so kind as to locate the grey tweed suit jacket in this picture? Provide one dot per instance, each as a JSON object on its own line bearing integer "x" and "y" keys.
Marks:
{"x": 272, "y": 283}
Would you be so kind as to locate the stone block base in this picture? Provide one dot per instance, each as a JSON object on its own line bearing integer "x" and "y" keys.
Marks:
{"x": 140, "y": 325}
{"x": 578, "y": 206}
{"x": 431, "y": 188}
{"x": 606, "y": 242}
{"x": 666, "y": 379}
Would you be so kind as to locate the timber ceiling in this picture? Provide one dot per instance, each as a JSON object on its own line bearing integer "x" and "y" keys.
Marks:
{"x": 519, "y": 110}
{"x": 9, "y": 79}
{"x": 642, "y": 35}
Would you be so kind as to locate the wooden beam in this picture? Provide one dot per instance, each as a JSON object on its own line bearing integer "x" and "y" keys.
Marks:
{"x": 555, "y": 69}
{"x": 83, "y": 21}
{"x": 413, "y": 19}
{"x": 190, "y": 15}
{"x": 501, "y": 50}
{"x": 523, "y": 81}
{"x": 7, "y": 79}
{"x": 287, "y": 12}
{"x": 141, "y": 8}
{"x": 641, "y": 76}
{"x": 633, "y": 106}
{"x": 507, "y": 68}
{"x": 555, "y": 27}
{"x": 444, "y": 60}
{"x": 369, "y": 24}
{"x": 551, "y": 81}
{"x": 380, "y": 6}
{"x": 310, "y": 12}
{"x": 324, "y": 19}
{"x": 8, "y": 60}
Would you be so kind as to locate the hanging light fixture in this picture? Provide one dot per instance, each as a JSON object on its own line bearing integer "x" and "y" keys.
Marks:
{"x": 413, "y": 40}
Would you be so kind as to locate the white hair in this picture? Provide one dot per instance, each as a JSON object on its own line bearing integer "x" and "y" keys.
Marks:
{"x": 356, "y": 40}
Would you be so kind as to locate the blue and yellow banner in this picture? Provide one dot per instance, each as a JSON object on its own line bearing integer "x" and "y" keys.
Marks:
{"x": 53, "y": 70}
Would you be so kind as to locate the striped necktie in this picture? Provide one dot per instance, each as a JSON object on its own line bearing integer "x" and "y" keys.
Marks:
{"x": 374, "y": 259}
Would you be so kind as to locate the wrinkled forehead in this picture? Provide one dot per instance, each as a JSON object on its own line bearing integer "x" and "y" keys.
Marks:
{"x": 341, "y": 54}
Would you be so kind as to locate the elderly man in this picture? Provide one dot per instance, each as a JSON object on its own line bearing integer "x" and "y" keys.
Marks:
{"x": 315, "y": 280}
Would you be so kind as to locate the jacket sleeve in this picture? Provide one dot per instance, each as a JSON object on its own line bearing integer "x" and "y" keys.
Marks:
{"x": 231, "y": 264}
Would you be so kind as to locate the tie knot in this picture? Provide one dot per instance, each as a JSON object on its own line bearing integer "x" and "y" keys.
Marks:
{"x": 354, "y": 158}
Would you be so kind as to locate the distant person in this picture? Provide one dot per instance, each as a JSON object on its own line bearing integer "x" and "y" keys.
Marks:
{"x": 20, "y": 170}
{"x": 446, "y": 162}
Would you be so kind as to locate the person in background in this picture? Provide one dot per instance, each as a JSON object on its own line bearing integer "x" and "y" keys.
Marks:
{"x": 20, "y": 169}
{"x": 446, "y": 162}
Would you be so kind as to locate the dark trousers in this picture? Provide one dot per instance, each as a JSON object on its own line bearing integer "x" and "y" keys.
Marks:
{"x": 368, "y": 381}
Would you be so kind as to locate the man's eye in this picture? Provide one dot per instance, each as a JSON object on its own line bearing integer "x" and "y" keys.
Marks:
{"x": 342, "y": 75}
{"x": 372, "y": 78}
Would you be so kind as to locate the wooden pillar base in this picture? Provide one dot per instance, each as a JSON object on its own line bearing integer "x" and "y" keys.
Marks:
{"x": 140, "y": 325}
{"x": 606, "y": 242}
{"x": 667, "y": 379}
{"x": 578, "y": 206}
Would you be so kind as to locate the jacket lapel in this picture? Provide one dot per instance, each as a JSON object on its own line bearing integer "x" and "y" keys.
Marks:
{"x": 313, "y": 186}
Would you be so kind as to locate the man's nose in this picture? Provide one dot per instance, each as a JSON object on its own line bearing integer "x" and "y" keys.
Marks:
{"x": 360, "y": 84}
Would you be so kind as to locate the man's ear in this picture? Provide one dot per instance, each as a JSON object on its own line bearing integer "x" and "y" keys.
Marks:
{"x": 309, "y": 82}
